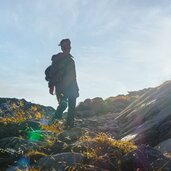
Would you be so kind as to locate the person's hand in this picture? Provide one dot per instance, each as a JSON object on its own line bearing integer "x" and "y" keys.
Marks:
{"x": 51, "y": 90}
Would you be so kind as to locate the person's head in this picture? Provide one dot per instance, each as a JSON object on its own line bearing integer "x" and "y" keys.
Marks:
{"x": 65, "y": 45}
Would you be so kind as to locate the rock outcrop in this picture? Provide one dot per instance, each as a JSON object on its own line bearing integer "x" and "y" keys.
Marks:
{"x": 97, "y": 106}
{"x": 20, "y": 108}
{"x": 148, "y": 119}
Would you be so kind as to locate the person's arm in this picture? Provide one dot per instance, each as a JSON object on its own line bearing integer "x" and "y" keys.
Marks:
{"x": 51, "y": 88}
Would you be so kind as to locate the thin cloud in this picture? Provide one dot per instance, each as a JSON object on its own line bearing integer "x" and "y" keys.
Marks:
{"x": 118, "y": 46}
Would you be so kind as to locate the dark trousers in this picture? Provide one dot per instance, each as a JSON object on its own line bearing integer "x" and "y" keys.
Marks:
{"x": 63, "y": 103}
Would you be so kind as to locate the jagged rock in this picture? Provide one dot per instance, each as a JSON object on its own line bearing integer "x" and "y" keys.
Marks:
{"x": 84, "y": 105}
{"x": 97, "y": 104}
{"x": 59, "y": 162}
{"x": 145, "y": 158}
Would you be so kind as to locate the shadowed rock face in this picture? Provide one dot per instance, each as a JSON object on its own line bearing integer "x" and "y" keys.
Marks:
{"x": 149, "y": 117}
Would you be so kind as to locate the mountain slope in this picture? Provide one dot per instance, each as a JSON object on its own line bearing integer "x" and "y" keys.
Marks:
{"x": 94, "y": 144}
{"x": 148, "y": 119}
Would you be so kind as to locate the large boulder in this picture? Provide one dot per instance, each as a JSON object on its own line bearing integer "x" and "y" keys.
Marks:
{"x": 91, "y": 107}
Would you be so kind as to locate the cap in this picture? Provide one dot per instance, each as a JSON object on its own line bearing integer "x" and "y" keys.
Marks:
{"x": 65, "y": 42}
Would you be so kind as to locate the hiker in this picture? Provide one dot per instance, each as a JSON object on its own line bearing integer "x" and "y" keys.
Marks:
{"x": 62, "y": 79}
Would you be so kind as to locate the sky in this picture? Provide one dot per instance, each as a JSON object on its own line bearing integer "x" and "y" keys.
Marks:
{"x": 118, "y": 45}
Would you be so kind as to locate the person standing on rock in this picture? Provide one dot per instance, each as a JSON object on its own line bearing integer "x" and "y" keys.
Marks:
{"x": 62, "y": 80}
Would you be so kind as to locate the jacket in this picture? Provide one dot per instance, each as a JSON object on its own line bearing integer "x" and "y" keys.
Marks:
{"x": 63, "y": 75}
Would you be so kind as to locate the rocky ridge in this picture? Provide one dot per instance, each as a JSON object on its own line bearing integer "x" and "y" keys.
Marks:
{"x": 99, "y": 141}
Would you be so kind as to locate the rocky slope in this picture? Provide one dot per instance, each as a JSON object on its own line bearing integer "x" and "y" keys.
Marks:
{"x": 148, "y": 119}
{"x": 20, "y": 108}
{"x": 99, "y": 140}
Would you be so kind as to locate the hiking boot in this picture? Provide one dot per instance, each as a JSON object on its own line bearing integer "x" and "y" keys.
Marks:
{"x": 51, "y": 121}
{"x": 54, "y": 118}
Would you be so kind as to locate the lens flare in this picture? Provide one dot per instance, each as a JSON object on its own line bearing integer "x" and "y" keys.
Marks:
{"x": 23, "y": 162}
{"x": 34, "y": 135}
